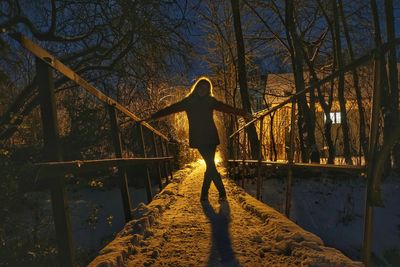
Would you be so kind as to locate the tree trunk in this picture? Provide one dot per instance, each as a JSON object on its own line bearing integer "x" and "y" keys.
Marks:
{"x": 326, "y": 109}
{"x": 342, "y": 99}
{"x": 305, "y": 121}
{"x": 314, "y": 153}
{"x": 244, "y": 93}
{"x": 361, "y": 111}
{"x": 393, "y": 79}
{"x": 383, "y": 81}
{"x": 301, "y": 126}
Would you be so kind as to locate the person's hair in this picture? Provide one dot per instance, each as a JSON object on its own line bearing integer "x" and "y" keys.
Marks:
{"x": 202, "y": 79}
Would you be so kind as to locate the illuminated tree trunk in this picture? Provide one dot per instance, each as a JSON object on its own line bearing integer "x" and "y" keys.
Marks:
{"x": 244, "y": 93}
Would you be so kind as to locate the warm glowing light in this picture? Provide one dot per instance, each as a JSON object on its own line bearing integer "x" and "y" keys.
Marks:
{"x": 217, "y": 159}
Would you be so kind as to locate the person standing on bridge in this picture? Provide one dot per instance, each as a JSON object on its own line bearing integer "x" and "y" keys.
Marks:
{"x": 199, "y": 105}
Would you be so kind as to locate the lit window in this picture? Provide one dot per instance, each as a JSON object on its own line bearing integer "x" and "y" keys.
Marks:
{"x": 335, "y": 117}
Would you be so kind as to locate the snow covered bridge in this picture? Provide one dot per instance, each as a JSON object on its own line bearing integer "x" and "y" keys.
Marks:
{"x": 176, "y": 229}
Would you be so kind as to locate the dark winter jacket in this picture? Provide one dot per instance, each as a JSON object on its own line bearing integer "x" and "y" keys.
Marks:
{"x": 199, "y": 110}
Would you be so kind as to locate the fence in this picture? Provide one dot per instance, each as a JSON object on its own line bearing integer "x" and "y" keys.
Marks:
{"x": 241, "y": 155}
{"x": 52, "y": 173}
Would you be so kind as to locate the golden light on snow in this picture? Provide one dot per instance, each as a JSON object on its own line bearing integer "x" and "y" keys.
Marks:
{"x": 200, "y": 161}
{"x": 217, "y": 158}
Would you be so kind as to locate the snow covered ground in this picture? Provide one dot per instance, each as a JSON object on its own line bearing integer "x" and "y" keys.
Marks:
{"x": 176, "y": 229}
{"x": 330, "y": 208}
{"x": 97, "y": 214}
{"x": 333, "y": 209}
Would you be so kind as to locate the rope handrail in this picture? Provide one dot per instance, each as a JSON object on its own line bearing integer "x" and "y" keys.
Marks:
{"x": 348, "y": 67}
{"x": 56, "y": 64}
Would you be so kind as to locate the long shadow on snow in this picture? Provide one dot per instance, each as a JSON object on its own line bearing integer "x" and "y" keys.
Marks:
{"x": 221, "y": 242}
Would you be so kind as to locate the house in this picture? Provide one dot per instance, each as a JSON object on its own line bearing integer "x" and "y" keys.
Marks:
{"x": 276, "y": 134}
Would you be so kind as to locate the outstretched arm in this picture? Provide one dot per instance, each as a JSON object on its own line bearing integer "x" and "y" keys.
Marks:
{"x": 220, "y": 106}
{"x": 174, "y": 108}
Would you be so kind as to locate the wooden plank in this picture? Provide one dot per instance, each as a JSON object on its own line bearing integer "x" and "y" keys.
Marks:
{"x": 53, "y": 62}
{"x": 350, "y": 168}
{"x": 78, "y": 166}
{"x": 52, "y": 151}
{"x": 124, "y": 188}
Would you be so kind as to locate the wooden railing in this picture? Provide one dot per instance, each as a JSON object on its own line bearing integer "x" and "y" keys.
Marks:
{"x": 52, "y": 172}
{"x": 375, "y": 159}
{"x": 289, "y": 165}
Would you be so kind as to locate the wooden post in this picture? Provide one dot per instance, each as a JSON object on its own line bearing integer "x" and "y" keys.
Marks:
{"x": 164, "y": 154}
{"x": 290, "y": 160}
{"x": 156, "y": 152}
{"x": 373, "y": 137}
{"x": 237, "y": 157}
{"x": 231, "y": 152}
{"x": 169, "y": 162}
{"x": 260, "y": 157}
{"x": 52, "y": 152}
{"x": 233, "y": 164}
{"x": 367, "y": 242}
{"x": 147, "y": 180}
{"x": 116, "y": 136}
{"x": 230, "y": 156}
{"x": 243, "y": 156}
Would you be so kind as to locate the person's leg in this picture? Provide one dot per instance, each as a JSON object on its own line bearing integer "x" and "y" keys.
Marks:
{"x": 216, "y": 178}
{"x": 206, "y": 186}
{"x": 208, "y": 154}
{"x": 205, "y": 153}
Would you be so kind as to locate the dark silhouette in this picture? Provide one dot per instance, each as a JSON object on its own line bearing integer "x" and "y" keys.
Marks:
{"x": 199, "y": 106}
{"x": 221, "y": 241}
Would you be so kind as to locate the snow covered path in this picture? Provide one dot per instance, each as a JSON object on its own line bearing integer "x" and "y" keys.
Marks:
{"x": 176, "y": 229}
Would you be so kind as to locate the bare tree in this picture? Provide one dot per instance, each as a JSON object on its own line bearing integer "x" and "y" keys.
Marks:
{"x": 244, "y": 92}
{"x": 341, "y": 88}
{"x": 306, "y": 120}
{"x": 393, "y": 85}
{"x": 361, "y": 110}
{"x": 98, "y": 40}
